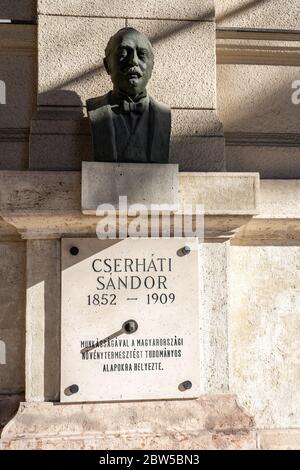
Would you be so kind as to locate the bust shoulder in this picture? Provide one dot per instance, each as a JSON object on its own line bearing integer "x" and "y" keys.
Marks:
{"x": 160, "y": 106}
{"x": 98, "y": 102}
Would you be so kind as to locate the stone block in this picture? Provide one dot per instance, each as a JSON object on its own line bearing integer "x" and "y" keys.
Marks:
{"x": 18, "y": 10}
{"x": 264, "y": 326}
{"x": 31, "y": 191}
{"x": 194, "y": 153}
{"x": 103, "y": 183}
{"x": 12, "y": 287}
{"x": 196, "y": 123}
{"x": 197, "y": 141}
{"x": 43, "y": 320}
{"x": 9, "y": 405}
{"x": 279, "y": 199}
{"x": 18, "y": 73}
{"x": 183, "y": 76}
{"x": 163, "y": 9}
{"x": 270, "y": 162}
{"x": 12, "y": 377}
{"x": 71, "y": 50}
{"x": 59, "y": 152}
{"x": 213, "y": 316}
{"x": 59, "y": 140}
{"x": 229, "y": 193}
{"x": 279, "y": 439}
{"x": 257, "y": 98}
{"x": 203, "y": 440}
{"x": 13, "y": 154}
{"x": 211, "y": 422}
{"x": 48, "y": 192}
{"x": 258, "y": 14}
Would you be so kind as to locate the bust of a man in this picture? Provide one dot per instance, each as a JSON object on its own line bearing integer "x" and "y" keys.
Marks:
{"x": 127, "y": 124}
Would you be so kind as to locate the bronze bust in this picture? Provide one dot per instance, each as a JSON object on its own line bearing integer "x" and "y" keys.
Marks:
{"x": 128, "y": 125}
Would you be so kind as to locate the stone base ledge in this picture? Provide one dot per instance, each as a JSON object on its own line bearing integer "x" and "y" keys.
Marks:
{"x": 210, "y": 422}
{"x": 60, "y": 192}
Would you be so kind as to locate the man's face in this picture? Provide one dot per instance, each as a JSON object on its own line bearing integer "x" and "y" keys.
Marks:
{"x": 130, "y": 63}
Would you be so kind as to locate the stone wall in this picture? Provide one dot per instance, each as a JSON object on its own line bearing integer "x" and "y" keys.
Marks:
{"x": 258, "y": 66}
{"x": 18, "y": 73}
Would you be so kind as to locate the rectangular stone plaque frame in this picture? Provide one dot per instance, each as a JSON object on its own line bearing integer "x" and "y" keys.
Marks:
{"x": 161, "y": 359}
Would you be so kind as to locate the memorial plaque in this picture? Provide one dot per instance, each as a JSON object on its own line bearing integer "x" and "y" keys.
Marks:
{"x": 130, "y": 320}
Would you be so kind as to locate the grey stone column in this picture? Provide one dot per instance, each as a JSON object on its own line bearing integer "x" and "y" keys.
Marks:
{"x": 42, "y": 369}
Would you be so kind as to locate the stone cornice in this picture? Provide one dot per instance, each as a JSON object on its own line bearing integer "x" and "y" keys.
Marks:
{"x": 262, "y": 139}
{"x": 255, "y": 47}
{"x": 48, "y": 204}
{"x": 18, "y": 39}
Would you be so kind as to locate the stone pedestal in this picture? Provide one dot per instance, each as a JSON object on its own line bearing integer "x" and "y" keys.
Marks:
{"x": 141, "y": 183}
{"x": 211, "y": 422}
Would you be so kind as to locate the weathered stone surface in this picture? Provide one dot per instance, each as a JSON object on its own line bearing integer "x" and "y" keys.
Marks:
{"x": 196, "y": 154}
{"x": 197, "y": 142}
{"x": 9, "y": 405}
{"x": 12, "y": 272}
{"x": 269, "y": 162}
{"x": 12, "y": 372}
{"x": 264, "y": 333}
{"x": 18, "y": 39}
{"x": 18, "y": 73}
{"x": 13, "y": 155}
{"x": 211, "y": 422}
{"x": 258, "y": 14}
{"x": 213, "y": 316}
{"x": 279, "y": 199}
{"x": 233, "y": 192}
{"x": 182, "y": 80}
{"x": 12, "y": 316}
{"x": 70, "y": 58}
{"x": 43, "y": 320}
{"x": 279, "y": 439}
{"x": 203, "y": 440}
{"x": 59, "y": 152}
{"x": 32, "y": 191}
{"x": 264, "y": 105}
{"x": 220, "y": 193}
{"x": 196, "y": 123}
{"x": 104, "y": 183}
{"x": 18, "y": 10}
{"x": 164, "y": 9}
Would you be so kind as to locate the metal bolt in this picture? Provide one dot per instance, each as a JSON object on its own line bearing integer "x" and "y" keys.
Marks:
{"x": 186, "y": 250}
{"x": 187, "y": 385}
{"x": 130, "y": 326}
{"x": 74, "y": 388}
{"x": 74, "y": 250}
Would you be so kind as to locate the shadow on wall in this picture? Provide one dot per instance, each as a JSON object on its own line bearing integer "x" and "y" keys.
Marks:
{"x": 168, "y": 32}
{"x": 60, "y": 132}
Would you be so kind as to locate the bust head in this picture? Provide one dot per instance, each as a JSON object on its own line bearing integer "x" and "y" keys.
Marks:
{"x": 129, "y": 61}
